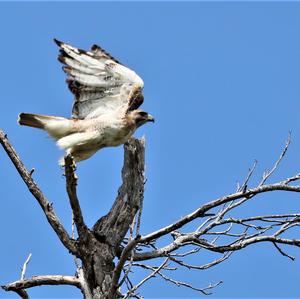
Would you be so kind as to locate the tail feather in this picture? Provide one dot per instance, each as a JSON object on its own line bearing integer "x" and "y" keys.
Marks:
{"x": 32, "y": 120}
{"x": 57, "y": 127}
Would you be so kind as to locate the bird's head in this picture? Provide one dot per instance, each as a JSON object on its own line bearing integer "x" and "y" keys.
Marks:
{"x": 140, "y": 117}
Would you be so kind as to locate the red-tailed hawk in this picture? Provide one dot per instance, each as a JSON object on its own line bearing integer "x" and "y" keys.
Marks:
{"x": 105, "y": 110}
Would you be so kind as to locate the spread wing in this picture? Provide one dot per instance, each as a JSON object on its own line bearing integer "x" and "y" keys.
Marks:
{"x": 99, "y": 82}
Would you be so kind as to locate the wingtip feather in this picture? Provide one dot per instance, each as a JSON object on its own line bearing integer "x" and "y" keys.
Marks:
{"x": 95, "y": 47}
{"x": 59, "y": 43}
{"x": 67, "y": 69}
{"x": 61, "y": 58}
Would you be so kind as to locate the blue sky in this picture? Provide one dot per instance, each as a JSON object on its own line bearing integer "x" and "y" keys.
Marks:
{"x": 221, "y": 79}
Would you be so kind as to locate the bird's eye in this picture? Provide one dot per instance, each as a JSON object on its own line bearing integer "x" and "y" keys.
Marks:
{"x": 143, "y": 114}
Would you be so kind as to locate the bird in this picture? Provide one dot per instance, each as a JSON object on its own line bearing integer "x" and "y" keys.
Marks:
{"x": 105, "y": 111}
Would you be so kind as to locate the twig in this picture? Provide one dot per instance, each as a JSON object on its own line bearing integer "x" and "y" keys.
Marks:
{"x": 187, "y": 285}
{"x": 117, "y": 272}
{"x": 250, "y": 172}
{"x": 177, "y": 282}
{"x": 131, "y": 254}
{"x": 144, "y": 266}
{"x": 205, "y": 266}
{"x": 267, "y": 174}
{"x": 138, "y": 226}
{"x": 146, "y": 279}
{"x": 25, "y": 266}
{"x": 195, "y": 250}
{"x": 283, "y": 253}
{"x": 292, "y": 179}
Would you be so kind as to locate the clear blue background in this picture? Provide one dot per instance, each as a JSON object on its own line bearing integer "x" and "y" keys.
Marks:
{"x": 223, "y": 82}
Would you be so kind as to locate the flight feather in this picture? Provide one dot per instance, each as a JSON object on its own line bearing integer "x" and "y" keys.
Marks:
{"x": 99, "y": 82}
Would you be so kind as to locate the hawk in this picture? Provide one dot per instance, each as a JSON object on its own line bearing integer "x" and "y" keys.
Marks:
{"x": 105, "y": 110}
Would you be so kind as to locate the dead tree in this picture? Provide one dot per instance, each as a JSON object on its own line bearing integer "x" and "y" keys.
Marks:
{"x": 117, "y": 235}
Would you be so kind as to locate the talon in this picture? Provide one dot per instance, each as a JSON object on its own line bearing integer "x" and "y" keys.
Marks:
{"x": 73, "y": 165}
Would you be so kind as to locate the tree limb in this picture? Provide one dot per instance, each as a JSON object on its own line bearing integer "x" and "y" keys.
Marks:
{"x": 34, "y": 281}
{"x": 39, "y": 196}
{"x": 22, "y": 293}
{"x": 200, "y": 212}
{"x": 118, "y": 269}
{"x": 71, "y": 184}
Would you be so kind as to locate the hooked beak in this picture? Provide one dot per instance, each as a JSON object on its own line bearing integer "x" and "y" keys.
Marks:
{"x": 150, "y": 118}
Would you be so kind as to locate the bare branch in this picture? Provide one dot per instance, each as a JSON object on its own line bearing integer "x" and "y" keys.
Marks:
{"x": 25, "y": 266}
{"x": 139, "y": 218}
{"x": 267, "y": 174}
{"x": 151, "y": 275}
{"x": 34, "y": 281}
{"x": 200, "y": 212}
{"x": 22, "y": 293}
{"x": 250, "y": 173}
{"x": 243, "y": 241}
{"x": 144, "y": 266}
{"x": 282, "y": 252}
{"x": 195, "y": 250}
{"x": 125, "y": 254}
{"x": 83, "y": 284}
{"x": 215, "y": 262}
{"x": 266, "y": 218}
{"x": 291, "y": 179}
{"x": 187, "y": 285}
{"x": 253, "y": 240}
{"x": 39, "y": 196}
{"x": 176, "y": 282}
{"x": 71, "y": 184}
{"x": 132, "y": 250}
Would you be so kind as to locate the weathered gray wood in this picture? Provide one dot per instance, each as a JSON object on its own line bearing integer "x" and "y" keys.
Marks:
{"x": 101, "y": 246}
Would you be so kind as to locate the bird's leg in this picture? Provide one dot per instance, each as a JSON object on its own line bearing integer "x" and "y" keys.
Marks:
{"x": 73, "y": 165}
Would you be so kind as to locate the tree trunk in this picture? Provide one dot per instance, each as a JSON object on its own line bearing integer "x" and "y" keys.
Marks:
{"x": 99, "y": 247}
